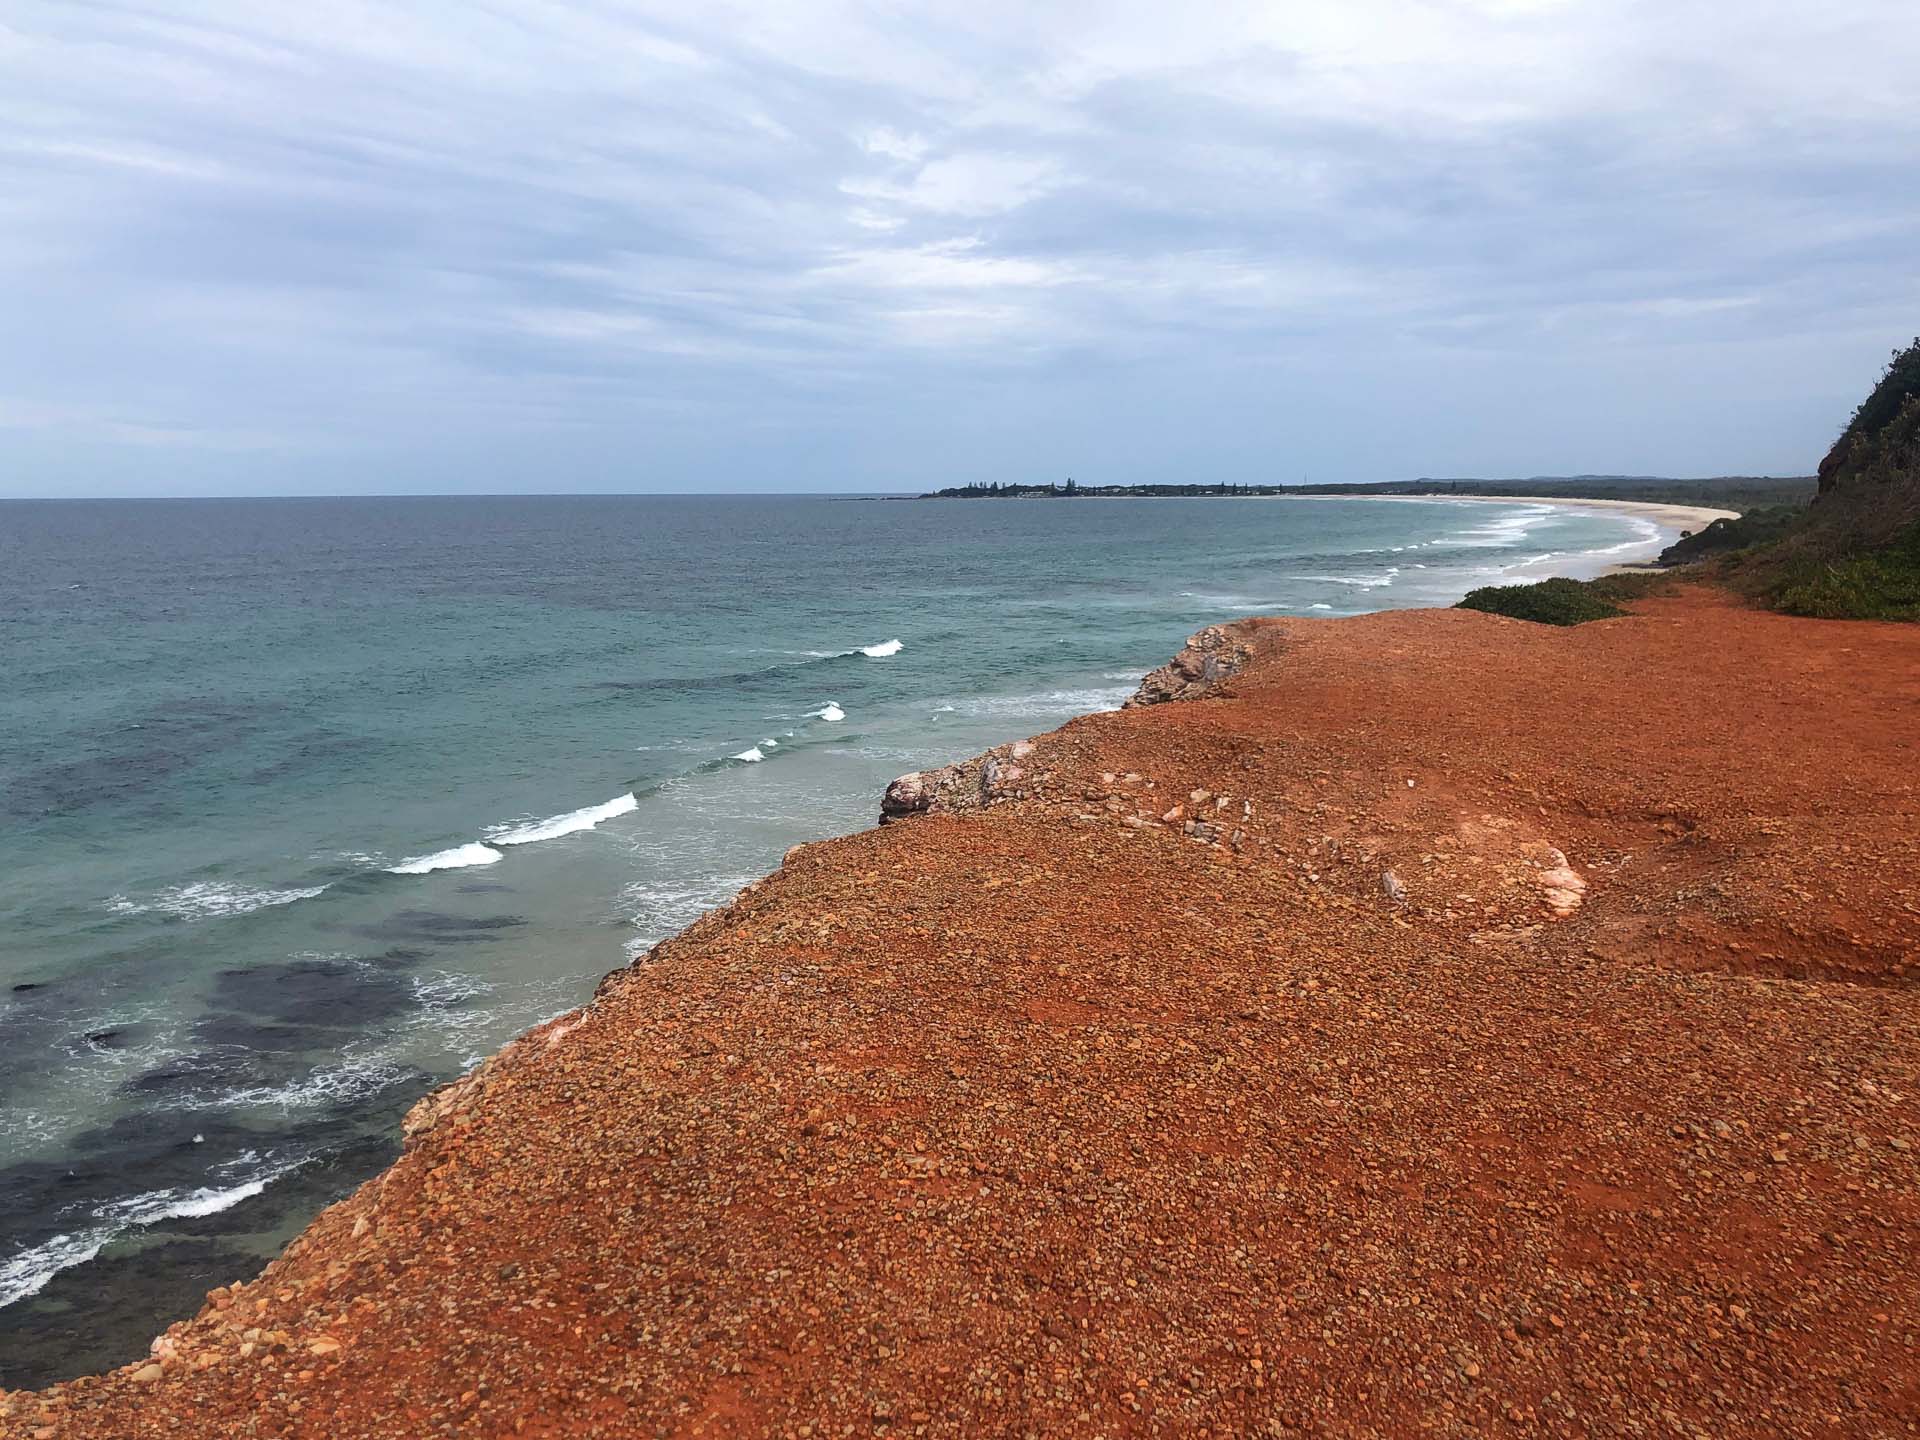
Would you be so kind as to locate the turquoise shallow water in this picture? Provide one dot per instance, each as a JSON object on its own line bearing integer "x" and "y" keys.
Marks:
{"x": 306, "y": 805}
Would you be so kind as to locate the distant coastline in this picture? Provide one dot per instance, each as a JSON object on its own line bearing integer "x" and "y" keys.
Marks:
{"x": 1722, "y": 493}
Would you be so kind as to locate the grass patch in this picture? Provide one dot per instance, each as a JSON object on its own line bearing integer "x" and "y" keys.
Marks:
{"x": 1550, "y": 602}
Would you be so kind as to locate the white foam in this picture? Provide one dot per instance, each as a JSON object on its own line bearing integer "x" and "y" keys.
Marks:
{"x": 440, "y": 988}
{"x": 207, "y": 899}
{"x": 457, "y": 858}
{"x": 882, "y": 650}
{"x": 659, "y": 908}
{"x": 749, "y": 756}
{"x": 829, "y": 712}
{"x": 350, "y": 1080}
{"x": 1319, "y": 605}
{"x": 1505, "y": 530}
{"x": 28, "y": 1272}
{"x": 1045, "y": 702}
{"x": 1365, "y": 582}
{"x": 558, "y": 825}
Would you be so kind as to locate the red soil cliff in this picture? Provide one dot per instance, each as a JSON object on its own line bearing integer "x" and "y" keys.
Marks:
{"x": 1449, "y": 1026}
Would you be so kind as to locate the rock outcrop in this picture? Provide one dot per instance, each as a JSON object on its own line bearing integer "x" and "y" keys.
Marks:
{"x": 1210, "y": 657}
{"x": 1002, "y": 773}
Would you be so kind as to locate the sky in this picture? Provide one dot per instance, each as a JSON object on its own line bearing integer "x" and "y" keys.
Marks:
{"x": 617, "y": 245}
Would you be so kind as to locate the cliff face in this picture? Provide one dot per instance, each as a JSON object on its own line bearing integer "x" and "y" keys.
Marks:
{"x": 1452, "y": 1025}
{"x": 1870, "y": 479}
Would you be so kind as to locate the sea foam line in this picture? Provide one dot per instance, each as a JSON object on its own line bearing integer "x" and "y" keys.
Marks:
{"x": 208, "y": 899}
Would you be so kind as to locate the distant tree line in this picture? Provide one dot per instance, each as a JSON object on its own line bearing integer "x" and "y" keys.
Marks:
{"x": 1072, "y": 490}
{"x": 1727, "y": 492}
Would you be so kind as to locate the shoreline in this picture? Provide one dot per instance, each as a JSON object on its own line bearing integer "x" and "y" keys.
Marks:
{"x": 1693, "y": 516}
{"x": 1672, "y": 520}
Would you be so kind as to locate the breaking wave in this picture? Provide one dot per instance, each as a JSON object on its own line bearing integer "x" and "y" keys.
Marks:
{"x": 567, "y": 824}
{"x": 458, "y": 858}
{"x": 28, "y": 1272}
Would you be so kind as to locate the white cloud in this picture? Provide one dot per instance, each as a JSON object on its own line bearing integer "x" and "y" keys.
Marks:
{"x": 972, "y": 184}
{"x": 356, "y": 220}
{"x": 890, "y": 143}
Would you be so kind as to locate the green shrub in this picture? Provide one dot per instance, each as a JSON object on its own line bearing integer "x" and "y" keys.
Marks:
{"x": 1550, "y": 602}
{"x": 1753, "y": 527}
{"x": 1878, "y": 585}
{"x": 1624, "y": 585}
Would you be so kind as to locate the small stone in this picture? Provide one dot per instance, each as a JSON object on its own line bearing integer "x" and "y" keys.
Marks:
{"x": 146, "y": 1374}
{"x": 1391, "y": 887}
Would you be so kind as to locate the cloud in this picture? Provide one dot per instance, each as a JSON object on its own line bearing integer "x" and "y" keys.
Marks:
{"x": 968, "y": 185}
{"x": 451, "y": 241}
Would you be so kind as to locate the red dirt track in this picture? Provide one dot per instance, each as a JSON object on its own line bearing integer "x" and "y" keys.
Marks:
{"x": 1053, "y": 1120}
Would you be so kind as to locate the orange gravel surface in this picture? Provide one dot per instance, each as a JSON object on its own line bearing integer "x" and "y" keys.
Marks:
{"x": 1523, "y": 1040}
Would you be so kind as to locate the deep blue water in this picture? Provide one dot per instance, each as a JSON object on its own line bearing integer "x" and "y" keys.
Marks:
{"x": 306, "y": 805}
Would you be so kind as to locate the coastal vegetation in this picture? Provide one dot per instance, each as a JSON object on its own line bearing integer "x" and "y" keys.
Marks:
{"x": 1852, "y": 553}
{"x": 1561, "y": 601}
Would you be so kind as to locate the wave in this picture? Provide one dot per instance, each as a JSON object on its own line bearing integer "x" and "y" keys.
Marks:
{"x": 28, "y": 1272}
{"x": 830, "y": 712}
{"x": 750, "y": 756}
{"x": 1506, "y": 530}
{"x": 208, "y": 899}
{"x": 882, "y": 650}
{"x": 1365, "y": 582}
{"x": 555, "y": 826}
{"x": 458, "y": 858}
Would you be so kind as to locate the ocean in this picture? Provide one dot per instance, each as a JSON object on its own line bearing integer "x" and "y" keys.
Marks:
{"x": 308, "y": 805}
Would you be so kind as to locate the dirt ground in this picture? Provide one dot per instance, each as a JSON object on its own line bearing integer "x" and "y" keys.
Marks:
{"x": 1452, "y": 1026}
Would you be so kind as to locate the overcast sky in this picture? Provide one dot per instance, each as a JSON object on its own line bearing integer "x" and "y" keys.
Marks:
{"x": 372, "y": 245}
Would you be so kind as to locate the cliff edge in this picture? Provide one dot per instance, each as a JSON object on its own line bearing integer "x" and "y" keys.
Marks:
{"x": 1448, "y": 1026}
